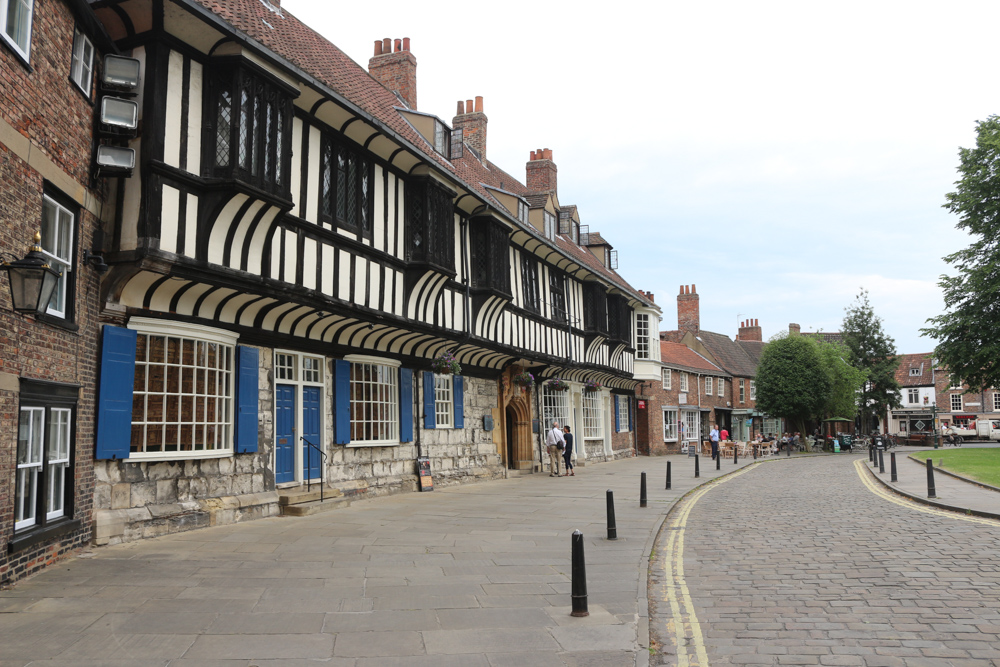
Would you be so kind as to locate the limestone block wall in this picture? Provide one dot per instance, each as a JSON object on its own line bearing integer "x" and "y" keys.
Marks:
{"x": 138, "y": 499}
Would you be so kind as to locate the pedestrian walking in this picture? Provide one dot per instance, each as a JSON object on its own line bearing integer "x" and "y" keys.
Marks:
{"x": 568, "y": 452}
{"x": 713, "y": 435}
{"x": 556, "y": 442}
{"x": 723, "y": 434}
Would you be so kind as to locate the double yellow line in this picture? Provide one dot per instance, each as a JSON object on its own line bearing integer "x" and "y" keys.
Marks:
{"x": 882, "y": 492}
{"x": 683, "y": 620}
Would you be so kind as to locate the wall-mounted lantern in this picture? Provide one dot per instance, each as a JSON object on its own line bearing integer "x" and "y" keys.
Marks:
{"x": 32, "y": 280}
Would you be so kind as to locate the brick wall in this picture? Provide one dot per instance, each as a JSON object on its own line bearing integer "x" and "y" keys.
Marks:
{"x": 688, "y": 313}
{"x": 472, "y": 121}
{"x": 541, "y": 172}
{"x": 45, "y": 118}
{"x": 397, "y": 71}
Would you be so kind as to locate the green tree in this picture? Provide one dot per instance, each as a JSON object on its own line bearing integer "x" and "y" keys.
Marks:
{"x": 845, "y": 380}
{"x": 968, "y": 332}
{"x": 873, "y": 351}
{"x": 791, "y": 380}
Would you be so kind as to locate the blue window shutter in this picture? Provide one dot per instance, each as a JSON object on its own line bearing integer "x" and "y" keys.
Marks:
{"x": 341, "y": 402}
{"x": 247, "y": 399}
{"x": 114, "y": 407}
{"x": 406, "y": 404}
{"x": 430, "y": 417}
{"x": 618, "y": 427}
{"x": 457, "y": 385}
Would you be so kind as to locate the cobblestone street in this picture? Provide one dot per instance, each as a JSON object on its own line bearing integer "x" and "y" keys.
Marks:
{"x": 801, "y": 563}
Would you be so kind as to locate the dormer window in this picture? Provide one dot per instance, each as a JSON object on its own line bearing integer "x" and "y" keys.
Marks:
{"x": 442, "y": 138}
{"x": 522, "y": 212}
{"x": 915, "y": 372}
{"x": 550, "y": 225}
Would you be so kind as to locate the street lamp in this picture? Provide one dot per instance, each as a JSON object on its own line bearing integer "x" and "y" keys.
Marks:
{"x": 32, "y": 280}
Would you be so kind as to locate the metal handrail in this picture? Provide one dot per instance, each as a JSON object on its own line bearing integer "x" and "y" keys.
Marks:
{"x": 322, "y": 468}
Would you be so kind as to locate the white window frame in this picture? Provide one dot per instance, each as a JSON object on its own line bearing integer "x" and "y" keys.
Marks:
{"x": 444, "y": 401}
{"x": 916, "y": 372}
{"x": 708, "y": 385}
{"x": 383, "y": 431}
{"x": 667, "y": 378}
{"x": 743, "y": 392}
{"x": 642, "y": 336}
{"x": 551, "y": 228}
{"x": 522, "y": 211}
{"x": 224, "y": 386}
{"x": 623, "y": 416}
{"x": 753, "y": 390}
{"x": 996, "y": 401}
{"x": 23, "y": 50}
{"x": 669, "y": 424}
{"x": 913, "y": 396}
{"x": 30, "y": 444}
{"x": 57, "y": 463}
{"x": 593, "y": 416}
{"x": 81, "y": 70}
{"x": 722, "y": 386}
{"x": 58, "y": 226}
{"x": 956, "y": 398}
{"x": 692, "y": 426}
{"x": 555, "y": 407}
{"x": 684, "y": 381}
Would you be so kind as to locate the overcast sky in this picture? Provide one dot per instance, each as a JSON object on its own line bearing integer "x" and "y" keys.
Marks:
{"x": 779, "y": 155}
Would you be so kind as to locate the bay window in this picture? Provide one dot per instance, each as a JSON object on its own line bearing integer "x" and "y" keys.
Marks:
{"x": 642, "y": 336}
{"x": 346, "y": 196}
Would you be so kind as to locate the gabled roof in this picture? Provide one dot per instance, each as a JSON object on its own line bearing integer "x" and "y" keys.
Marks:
{"x": 680, "y": 356}
{"x": 921, "y": 362}
{"x": 595, "y": 238}
{"x": 753, "y": 348}
{"x": 728, "y": 354}
{"x": 292, "y": 40}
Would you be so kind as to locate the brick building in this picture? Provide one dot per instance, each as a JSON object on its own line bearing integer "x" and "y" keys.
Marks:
{"x": 49, "y": 59}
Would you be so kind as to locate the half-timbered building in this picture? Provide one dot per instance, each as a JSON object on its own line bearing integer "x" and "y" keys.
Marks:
{"x": 299, "y": 249}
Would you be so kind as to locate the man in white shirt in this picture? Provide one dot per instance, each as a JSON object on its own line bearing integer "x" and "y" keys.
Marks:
{"x": 555, "y": 442}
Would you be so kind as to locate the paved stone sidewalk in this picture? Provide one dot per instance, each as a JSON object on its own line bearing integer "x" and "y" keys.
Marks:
{"x": 801, "y": 563}
{"x": 477, "y": 575}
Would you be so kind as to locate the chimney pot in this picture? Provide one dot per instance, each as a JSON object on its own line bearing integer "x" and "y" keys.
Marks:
{"x": 406, "y": 43}
{"x": 479, "y": 103}
{"x": 387, "y": 45}
{"x": 461, "y": 108}
{"x": 378, "y": 47}
{"x": 399, "y": 45}
{"x": 693, "y": 290}
{"x": 532, "y": 155}
{"x": 650, "y": 295}
{"x": 397, "y": 72}
{"x": 682, "y": 289}
{"x": 468, "y": 106}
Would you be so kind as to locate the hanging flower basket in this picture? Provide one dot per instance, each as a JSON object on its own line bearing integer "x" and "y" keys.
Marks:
{"x": 445, "y": 364}
{"x": 557, "y": 384}
{"x": 524, "y": 379}
{"x": 591, "y": 385}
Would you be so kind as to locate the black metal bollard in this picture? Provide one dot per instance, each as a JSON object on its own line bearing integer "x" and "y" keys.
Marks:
{"x": 931, "y": 491}
{"x": 579, "y": 593}
{"x": 736, "y": 461}
{"x": 718, "y": 461}
{"x": 696, "y": 472}
{"x": 881, "y": 462}
{"x": 788, "y": 449}
{"x": 668, "y": 474}
{"x": 892, "y": 466}
{"x": 612, "y": 529}
{"x": 642, "y": 491}
{"x": 871, "y": 454}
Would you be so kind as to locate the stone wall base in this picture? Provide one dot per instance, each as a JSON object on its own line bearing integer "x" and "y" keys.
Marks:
{"x": 137, "y": 523}
{"x": 392, "y": 485}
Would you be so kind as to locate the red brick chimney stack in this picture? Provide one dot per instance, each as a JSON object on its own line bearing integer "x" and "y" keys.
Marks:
{"x": 396, "y": 70}
{"x": 541, "y": 172}
{"x": 794, "y": 329}
{"x": 688, "y": 309}
{"x": 750, "y": 330}
{"x": 472, "y": 122}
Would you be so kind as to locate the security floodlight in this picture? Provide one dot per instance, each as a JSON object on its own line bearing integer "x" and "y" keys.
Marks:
{"x": 120, "y": 73}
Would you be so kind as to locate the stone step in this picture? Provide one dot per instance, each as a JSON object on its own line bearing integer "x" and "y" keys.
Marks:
{"x": 314, "y": 507}
{"x": 301, "y": 495}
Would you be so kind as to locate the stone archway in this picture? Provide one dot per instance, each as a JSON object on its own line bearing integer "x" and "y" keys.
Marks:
{"x": 517, "y": 451}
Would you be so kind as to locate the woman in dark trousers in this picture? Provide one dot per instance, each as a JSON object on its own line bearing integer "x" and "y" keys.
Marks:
{"x": 568, "y": 452}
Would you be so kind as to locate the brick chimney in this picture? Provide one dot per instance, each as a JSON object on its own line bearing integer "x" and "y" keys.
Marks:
{"x": 750, "y": 330}
{"x": 794, "y": 329}
{"x": 396, "y": 70}
{"x": 472, "y": 121}
{"x": 688, "y": 310}
{"x": 541, "y": 172}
